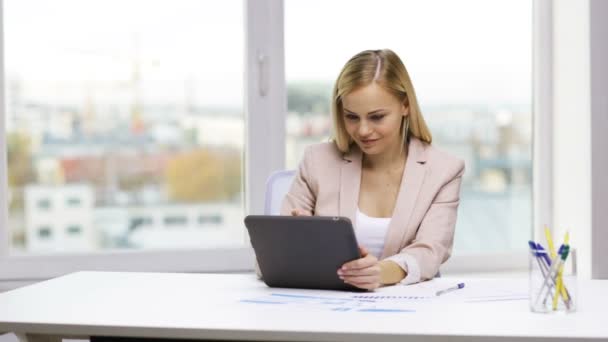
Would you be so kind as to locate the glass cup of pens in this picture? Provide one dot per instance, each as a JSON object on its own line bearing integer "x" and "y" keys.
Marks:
{"x": 552, "y": 278}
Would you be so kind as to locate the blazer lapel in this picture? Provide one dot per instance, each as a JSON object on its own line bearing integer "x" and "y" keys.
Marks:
{"x": 350, "y": 182}
{"x": 411, "y": 182}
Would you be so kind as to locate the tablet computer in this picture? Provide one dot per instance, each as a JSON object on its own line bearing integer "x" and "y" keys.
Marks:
{"x": 303, "y": 251}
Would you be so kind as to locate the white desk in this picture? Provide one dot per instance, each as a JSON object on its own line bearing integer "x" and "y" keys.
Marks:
{"x": 208, "y": 306}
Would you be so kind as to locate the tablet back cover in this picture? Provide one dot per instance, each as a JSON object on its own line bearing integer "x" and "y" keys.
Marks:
{"x": 302, "y": 251}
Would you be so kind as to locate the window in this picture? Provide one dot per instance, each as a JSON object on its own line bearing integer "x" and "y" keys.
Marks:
{"x": 141, "y": 221}
{"x": 74, "y": 230}
{"x": 210, "y": 219}
{"x": 73, "y": 202}
{"x": 144, "y": 112}
{"x": 45, "y": 232}
{"x": 44, "y": 204}
{"x": 144, "y": 118}
{"x": 471, "y": 67}
{"x": 176, "y": 220}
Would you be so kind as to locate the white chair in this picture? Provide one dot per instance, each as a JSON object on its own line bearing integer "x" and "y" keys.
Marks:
{"x": 277, "y": 186}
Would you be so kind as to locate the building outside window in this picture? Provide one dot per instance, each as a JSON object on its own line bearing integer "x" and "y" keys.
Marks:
{"x": 144, "y": 111}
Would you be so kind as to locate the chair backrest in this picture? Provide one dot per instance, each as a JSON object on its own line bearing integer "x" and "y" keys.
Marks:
{"x": 277, "y": 186}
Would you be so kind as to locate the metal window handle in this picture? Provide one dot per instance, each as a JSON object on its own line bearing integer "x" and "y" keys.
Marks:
{"x": 262, "y": 74}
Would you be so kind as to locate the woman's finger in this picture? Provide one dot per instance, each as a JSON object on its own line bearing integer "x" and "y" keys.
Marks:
{"x": 361, "y": 279}
{"x": 300, "y": 212}
{"x": 373, "y": 270}
{"x": 366, "y": 286}
{"x": 360, "y": 263}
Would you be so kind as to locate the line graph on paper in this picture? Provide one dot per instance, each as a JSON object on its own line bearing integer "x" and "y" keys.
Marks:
{"x": 340, "y": 303}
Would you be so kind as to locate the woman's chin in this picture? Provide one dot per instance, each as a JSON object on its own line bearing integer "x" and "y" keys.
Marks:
{"x": 370, "y": 149}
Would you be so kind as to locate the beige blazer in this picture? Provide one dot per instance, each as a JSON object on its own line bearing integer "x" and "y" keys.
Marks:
{"x": 422, "y": 226}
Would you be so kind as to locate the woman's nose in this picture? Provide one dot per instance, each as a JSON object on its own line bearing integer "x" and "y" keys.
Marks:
{"x": 364, "y": 129}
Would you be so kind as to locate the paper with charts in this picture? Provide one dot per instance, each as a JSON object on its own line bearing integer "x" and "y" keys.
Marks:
{"x": 343, "y": 303}
{"x": 392, "y": 299}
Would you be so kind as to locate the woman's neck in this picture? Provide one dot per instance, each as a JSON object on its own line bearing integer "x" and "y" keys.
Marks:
{"x": 389, "y": 160}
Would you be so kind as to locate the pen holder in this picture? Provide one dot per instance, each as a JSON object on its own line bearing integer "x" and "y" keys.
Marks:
{"x": 551, "y": 290}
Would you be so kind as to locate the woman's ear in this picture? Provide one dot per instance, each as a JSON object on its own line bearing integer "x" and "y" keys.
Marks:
{"x": 405, "y": 107}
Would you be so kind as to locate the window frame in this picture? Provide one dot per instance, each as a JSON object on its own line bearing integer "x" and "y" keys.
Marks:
{"x": 543, "y": 117}
{"x": 263, "y": 153}
{"x": 265, "y": 105}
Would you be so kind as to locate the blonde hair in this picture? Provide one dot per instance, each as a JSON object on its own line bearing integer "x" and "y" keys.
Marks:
{"x": 386, "y": 69}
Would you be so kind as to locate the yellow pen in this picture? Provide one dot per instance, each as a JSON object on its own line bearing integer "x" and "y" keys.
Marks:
{"x": 552, "y": 253}
{"x": 559, "y": 286}
{"x": 550, "y": 243}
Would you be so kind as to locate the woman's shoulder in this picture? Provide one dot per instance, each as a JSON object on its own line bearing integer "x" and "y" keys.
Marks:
{"x": 323, "y": 152}
{"x": 319, "y": 162}
{"x": 438, "y": 159}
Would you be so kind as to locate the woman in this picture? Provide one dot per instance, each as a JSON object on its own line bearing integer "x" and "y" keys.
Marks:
{"x": 381, "y": 172}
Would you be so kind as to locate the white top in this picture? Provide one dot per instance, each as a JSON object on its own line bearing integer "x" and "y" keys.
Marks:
{"x": 209, "y": 307}
{"x": 371, "y": 233}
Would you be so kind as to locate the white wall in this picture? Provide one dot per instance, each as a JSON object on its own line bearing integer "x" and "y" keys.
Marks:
{"x": 580, "y": 123}
{"x": 571, "y": 128}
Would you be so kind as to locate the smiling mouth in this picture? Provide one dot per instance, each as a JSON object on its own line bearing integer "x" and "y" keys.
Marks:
{"x": 369, "y": 141}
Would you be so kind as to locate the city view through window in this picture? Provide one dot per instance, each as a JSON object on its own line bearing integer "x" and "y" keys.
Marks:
{"x": 125, "y": 121}
{"x": 124, "y": 124}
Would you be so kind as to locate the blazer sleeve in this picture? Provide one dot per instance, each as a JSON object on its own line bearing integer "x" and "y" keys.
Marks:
{"x": 432, "y": 245}
{"x": 302, "y": 194}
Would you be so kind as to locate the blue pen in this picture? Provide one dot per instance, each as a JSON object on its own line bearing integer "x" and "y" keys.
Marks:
{"x": 538, "y": 254}
{"x": 560, "y": 250}
{"x": 538, "y": 251}
{"x": 449, "y": 289}
{"x": 543, "y": 254}
{"x": 533, "y": 248}
{"x": 544, "y": 268}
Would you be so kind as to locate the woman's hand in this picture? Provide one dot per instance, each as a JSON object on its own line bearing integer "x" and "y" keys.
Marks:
{"x": 363, "y": 273}
{"x": 298, "y": 212}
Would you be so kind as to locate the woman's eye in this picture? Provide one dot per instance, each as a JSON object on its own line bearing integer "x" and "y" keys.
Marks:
{"x": 351, "y": 117}
{"x": 377, "y": 117}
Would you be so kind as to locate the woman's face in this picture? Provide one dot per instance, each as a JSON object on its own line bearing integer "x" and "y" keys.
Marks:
{"x": 372, "y": 117}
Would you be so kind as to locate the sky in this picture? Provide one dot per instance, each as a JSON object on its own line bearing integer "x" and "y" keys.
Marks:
{"x": 466, "y": 51}
{"x": 455, "y": 51}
